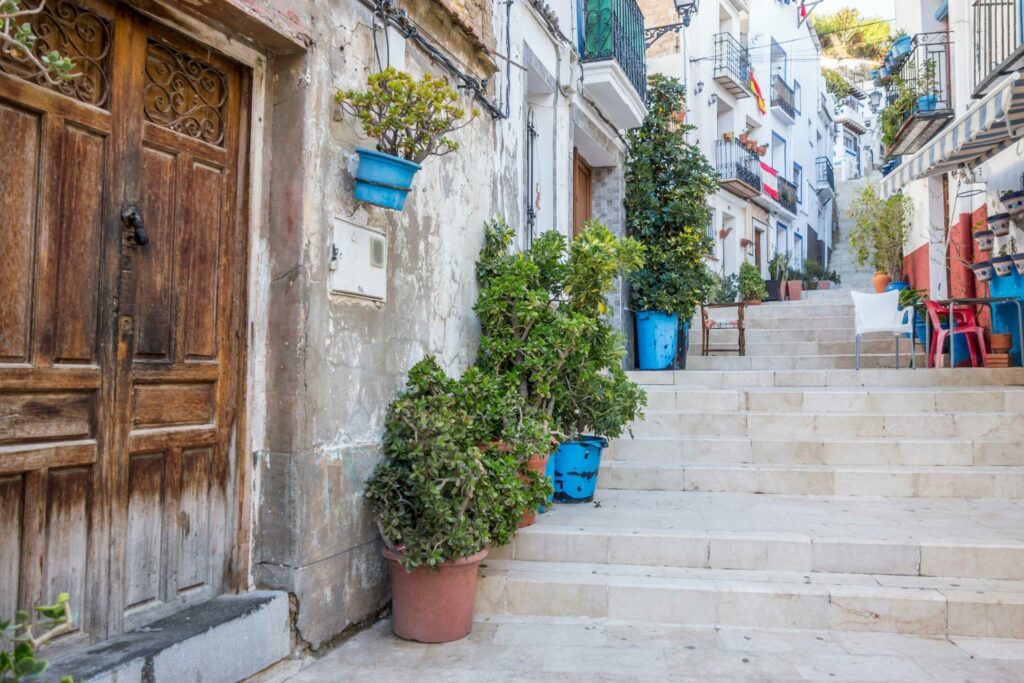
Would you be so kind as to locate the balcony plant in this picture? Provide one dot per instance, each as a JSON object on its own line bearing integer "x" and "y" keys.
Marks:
{"x": 543, "y": 330}
{"x": 880, "y": 233}
{"x": 752, "y": 289}
{"x": 668, "y": 181}
{"x": 442, "y": 497}
{"x": 411, "y": 120}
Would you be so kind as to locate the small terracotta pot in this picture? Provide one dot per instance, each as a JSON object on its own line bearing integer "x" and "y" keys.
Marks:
{"x": 1001, "y": 343}
{"x": 753, "y": 302}
{"x": 536, "y": 463}
{"x": 433, "y": 605}
{"x": 881, "y": 281}
{"x": 824, "y": 284}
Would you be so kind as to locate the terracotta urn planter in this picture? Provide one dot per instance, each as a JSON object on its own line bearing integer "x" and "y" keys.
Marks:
{"x": 536, "y": 463}
{"x": 881, "y": 281}
{"x": 824, "y": 284}
{"x": 1001, "y": 343}
{"x": 433, "y": 605}
{"x": 794, "y": 288}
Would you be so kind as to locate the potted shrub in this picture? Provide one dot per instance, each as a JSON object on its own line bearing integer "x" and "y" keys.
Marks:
{"x": 543, "y": 332}
{"x": 668, "y": 182}
{"x": 880, "y": 233}
{"x": 441, "y": 499}
{"x": 752, "y": 289}
{"x": 411, "y": 121}
{"x": 778, "y": 268}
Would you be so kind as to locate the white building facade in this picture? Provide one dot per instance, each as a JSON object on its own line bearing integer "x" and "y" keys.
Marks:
{"x": 778, "y": 201}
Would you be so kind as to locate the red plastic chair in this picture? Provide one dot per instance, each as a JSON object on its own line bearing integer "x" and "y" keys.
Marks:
{"x": 966, "y": 323}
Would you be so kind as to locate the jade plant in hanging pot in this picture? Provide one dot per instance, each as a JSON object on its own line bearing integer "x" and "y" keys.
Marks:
{"x": 442, "y": 496}
{"x": 411, "y": 120}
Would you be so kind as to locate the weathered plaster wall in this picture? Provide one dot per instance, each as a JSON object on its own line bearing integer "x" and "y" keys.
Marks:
{"x": 334, "y": 362}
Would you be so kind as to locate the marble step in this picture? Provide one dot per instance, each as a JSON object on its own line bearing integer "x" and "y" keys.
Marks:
{"x": 796, "y": 362}
{"x": 810, "y": 334}
{"x": 682, "y": 450}
{"x": 800, "y": 320}
{"x": 790, "y": 424}
{"x": 800, "y": 309}
{"x": 793, "y": 600}
{"x": 822, "y": 377}
{"x": 806, "y": 348}
{"x": 896, "y": 540}
{"x": 893, "y": 481}
{"x": 841, "y": 399}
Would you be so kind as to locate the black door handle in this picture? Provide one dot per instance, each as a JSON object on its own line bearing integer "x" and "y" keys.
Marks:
{"x": 131, "y": 216}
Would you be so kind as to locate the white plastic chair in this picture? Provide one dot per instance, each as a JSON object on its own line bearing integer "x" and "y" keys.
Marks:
{"x": 882, "y": 313}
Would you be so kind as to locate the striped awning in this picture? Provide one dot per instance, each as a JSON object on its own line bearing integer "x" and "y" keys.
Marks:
{"x": 989, "y": 126}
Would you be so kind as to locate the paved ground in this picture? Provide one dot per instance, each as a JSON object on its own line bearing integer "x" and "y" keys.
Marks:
{"x": 532, "y": 650}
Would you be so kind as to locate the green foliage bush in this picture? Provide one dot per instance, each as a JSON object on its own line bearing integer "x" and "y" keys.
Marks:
{"x": 725, "y": 289}
{"x": 544, "y": 331}
{"x": 668, "y": 181}
{"x": 880, "y": 230}
{"x": 451, "y": 482}
{"x": 751, "y": 285}
{"x": 410, "y": 119}
{"x": 18, "y": 643}
{"x": 848, "y": 33}
{"x": 836, "y": 83}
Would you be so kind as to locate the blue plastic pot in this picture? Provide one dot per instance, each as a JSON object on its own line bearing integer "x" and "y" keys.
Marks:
{"x": 927, "y": 103}
{"x": 902, "y": 46}
{"x": 576, "y": 467}
{"x": 657, "y": 338}
{"x": 383, "y": 179}
{"x": 897, "y": 286}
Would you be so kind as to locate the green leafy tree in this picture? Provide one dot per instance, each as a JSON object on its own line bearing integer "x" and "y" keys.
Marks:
{"x": 848, "y": 33}
{"x": 409, "y": 118}
{"x": 880, "y": 230}
{"x": 18, "y": 642}
{"x": 451, "y": 482}
{"x": 836, "y": 83}
{"x": 668, "y": 181}
{"x": 19, "y": 42}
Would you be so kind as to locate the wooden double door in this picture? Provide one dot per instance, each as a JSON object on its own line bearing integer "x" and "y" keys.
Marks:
{"x": 121, "y": 290}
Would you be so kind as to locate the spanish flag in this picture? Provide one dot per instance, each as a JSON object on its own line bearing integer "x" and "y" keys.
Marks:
{"x": 756, "y": 89}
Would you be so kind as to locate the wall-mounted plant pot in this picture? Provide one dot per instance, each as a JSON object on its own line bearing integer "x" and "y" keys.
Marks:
{"x": 983, "y": 271}
{"x": 999, "y": 224}
{"x": 902, "y": 46}
{"x": 927, "y": 103}
{"x": 1003, "y": 265}
{"x": 984, "y": 239}
{"x": 657, "y": 337}
{"x": 1018, "y": 263}
{"x": 880, "y": 281}
{"x": 382, "y": 179}
{"x": 1014, "y": 202}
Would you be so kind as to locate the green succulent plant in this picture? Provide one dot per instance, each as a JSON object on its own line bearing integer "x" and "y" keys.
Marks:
{"x": 18, "y": 642}
{"x": 19, "y": 42}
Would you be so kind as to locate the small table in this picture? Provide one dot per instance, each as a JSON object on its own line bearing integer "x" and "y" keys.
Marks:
{"x": 972, "y": 301}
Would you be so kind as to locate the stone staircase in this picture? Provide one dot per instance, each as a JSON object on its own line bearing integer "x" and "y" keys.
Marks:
{"x": 785, "y": 490}
{"x": 851, "y": 275}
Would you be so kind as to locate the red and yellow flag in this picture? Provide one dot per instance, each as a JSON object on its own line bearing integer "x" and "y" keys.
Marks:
{"x": 756, "y": 89}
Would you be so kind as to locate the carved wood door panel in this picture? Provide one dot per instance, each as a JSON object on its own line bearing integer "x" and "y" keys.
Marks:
{"x": 121, "y": 281}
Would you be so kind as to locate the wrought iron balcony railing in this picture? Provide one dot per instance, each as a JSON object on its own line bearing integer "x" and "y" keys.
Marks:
{"x": 739, "y": 171}
{"x": 787, "y": 195}
{"x": 614, "y": 29}
{"x": 732, "y": 65}
{"x": 998, "y": 41}
{"x": 826, "y": 175}
{"x": 923, "y": 93}
{"x": 783, "y": 96}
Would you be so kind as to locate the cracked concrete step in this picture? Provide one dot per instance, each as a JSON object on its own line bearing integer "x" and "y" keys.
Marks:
{"x": 683, "y": 450}
{"x": 998, "y": 425}
{"x": 823, "y": 377}
{"x": 791, "y": 362}
{"x": 652, "y": 594}
{"x": 838, "y": 399}
{"x": 892, "y": 481}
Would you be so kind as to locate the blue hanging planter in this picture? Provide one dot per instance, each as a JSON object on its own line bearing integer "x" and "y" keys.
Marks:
{"x": 927, "y": 103}
{"x": 383, "y": 179}
{"x": 576, "y": 467}
{"x": 902, "y": 46}
{"x": 657, "y": 337}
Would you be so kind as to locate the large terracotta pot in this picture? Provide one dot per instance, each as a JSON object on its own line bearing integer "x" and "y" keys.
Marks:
{"x": 881, "y": 281}
{"x": 536, "y": 463}
{"x": 433, "y": 605}
{"x": 794, "y": 288}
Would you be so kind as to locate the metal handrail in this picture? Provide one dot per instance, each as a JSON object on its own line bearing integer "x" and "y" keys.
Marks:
{"x": 826, "y": 172}
{"x": 732, "y": 161}
{"x": 998, "y": 40}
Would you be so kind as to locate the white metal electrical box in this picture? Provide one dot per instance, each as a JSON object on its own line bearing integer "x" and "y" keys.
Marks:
{"x": 359, "y": 261}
